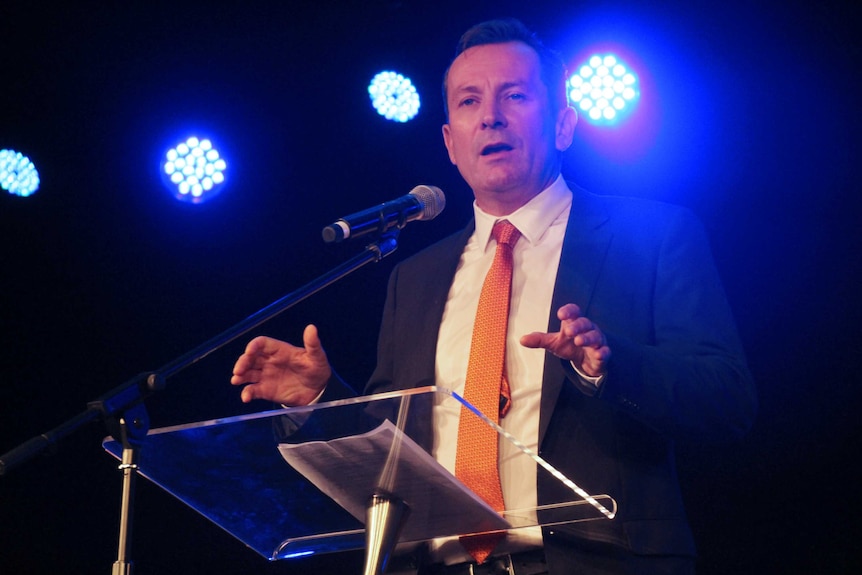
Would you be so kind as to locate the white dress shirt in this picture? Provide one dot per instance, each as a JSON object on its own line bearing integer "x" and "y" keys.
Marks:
{"x": 536, "y": 257}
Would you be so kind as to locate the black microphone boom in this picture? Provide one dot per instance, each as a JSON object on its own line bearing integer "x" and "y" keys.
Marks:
{"x": 422, "y": 203}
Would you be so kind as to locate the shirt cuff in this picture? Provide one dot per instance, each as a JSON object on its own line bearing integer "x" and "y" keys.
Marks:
{"x": 586, "y": 383}
{"x": 314, "y": 401}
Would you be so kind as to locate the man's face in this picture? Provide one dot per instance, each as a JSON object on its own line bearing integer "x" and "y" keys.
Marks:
{"x": 502, "y": 134}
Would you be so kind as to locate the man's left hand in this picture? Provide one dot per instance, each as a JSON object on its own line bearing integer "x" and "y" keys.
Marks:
{"x": 579, "y": 341}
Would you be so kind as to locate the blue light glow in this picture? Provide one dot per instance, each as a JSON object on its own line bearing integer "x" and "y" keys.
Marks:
{"x": 298, "y": 554}
{"x": 194, "y": 170}
{"x": 394, "y": 96}
{"x": 604, "y": 89}
{"x": 18, "y": 175}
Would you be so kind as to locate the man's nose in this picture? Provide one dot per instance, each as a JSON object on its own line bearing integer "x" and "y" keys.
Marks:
{"x": 492, "y": 115}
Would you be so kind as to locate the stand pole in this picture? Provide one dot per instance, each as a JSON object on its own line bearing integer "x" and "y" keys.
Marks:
{"x": 130, "y": 428}
{"x": 386, "y": 513}
{"x": 129, "y": 467}
{"x": 385, "y": 516}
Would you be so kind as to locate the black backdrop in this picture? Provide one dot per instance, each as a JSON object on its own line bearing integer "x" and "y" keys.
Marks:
{"x": 105, "y": 276}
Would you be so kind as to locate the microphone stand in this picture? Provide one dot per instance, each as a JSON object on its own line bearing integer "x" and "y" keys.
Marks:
{"x": 123, "y": 408}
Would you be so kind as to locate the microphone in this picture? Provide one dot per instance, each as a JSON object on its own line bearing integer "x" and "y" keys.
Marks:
{"x": 422, "y": 203}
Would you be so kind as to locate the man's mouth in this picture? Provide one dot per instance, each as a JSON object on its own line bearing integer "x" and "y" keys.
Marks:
{"x": 495, "y": 149}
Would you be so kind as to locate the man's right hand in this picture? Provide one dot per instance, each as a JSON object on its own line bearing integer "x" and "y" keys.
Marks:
{"x": 282, "y": 373}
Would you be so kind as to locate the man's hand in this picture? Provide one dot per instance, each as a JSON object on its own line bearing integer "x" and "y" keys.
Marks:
{"x": 280, "y": 372}
{"x": 579, "y": 341}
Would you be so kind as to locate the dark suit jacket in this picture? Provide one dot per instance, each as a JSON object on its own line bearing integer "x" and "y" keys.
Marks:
{"x": 643, "y": 272}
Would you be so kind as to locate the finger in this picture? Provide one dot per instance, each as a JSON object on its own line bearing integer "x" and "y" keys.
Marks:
{"x": 248, "y": 394}
{"x": 585, "y": 339}
{"x": 592, "y": 337}
{"x": 569, "y": 311}
{"x": 571, "y": 328}
{"x": 245, "y": 376}
{"x": 599, "y": 355}
{"x": 247, "y": 362}
{"x": 242, "y": 365}
{"x": 263, "y": 346}
{"x": 595, "y": 361}
{"x": 256, "y": 345}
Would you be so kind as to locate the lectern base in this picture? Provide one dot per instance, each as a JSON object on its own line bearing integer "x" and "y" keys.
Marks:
{"x": 385, "y": 518}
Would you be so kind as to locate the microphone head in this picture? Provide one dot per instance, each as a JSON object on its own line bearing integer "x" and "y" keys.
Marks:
{"x": 432, "y": 200}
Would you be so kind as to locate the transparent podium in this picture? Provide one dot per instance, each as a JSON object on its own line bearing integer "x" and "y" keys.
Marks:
{"x": 340, "y": 475}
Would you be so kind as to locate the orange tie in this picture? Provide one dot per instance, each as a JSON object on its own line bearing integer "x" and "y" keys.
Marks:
{"x": 486, "y": 388}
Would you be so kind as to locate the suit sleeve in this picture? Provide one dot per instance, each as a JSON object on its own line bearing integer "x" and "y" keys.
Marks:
{"x": 685, "y": 376}
{"x": 382, "y": 378}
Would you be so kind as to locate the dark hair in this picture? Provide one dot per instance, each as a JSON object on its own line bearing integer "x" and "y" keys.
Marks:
{"x": 552, "y": 68}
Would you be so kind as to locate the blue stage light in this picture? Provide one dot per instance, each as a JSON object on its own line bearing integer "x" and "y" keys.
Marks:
{"x": 604, "y": 89}
{"x": 18, "y": 175}
{"x": 194, "y": 170}
{"x": 394, "y": 96}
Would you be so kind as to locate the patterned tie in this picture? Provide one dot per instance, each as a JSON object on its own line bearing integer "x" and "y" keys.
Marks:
{"x": 486, "y": 388}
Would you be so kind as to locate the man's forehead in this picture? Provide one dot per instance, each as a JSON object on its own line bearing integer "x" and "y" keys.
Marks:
{"x": 510, "y": 62}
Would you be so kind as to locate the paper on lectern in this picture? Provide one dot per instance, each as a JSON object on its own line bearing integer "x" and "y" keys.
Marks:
{"x": 351, "y": 469}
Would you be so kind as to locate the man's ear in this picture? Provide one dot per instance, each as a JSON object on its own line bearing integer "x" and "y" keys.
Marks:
{"x": 447, "y": 140}
{"x": 567, "y": 119}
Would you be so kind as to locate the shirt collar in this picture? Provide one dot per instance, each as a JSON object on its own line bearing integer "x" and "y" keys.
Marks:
{"x": 533, "y": 218}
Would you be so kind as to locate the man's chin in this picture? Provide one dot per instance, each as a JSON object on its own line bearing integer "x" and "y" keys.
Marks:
{"x": 502, "y": 182}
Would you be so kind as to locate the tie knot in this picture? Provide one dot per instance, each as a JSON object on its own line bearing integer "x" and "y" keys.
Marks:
{"x": 505, "y": 233}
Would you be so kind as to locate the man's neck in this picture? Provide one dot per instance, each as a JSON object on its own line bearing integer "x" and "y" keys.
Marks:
{"x": 505, "y": 203}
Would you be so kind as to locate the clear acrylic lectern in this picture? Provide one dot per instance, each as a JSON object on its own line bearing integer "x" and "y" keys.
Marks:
{"x": 297, "y": 481}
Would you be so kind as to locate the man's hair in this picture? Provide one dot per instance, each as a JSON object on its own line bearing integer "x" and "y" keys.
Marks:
{"x": 552, "y": 68}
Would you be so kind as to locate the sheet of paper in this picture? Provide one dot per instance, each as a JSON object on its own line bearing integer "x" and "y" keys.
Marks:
{"x": 351, "y": 469}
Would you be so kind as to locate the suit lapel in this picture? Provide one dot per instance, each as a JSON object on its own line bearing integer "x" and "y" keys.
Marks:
{"x": 583, "y": 255}
{"x": 437, "y": 284}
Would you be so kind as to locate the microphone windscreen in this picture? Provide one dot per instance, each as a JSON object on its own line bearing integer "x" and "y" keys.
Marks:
{"x": 432, "y": 199}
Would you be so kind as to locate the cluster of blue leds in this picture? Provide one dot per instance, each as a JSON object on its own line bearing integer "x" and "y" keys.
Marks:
{"x": 18, "y": 175}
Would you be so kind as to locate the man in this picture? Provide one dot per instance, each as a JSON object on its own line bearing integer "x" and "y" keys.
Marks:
{"x": 619, "y": 338}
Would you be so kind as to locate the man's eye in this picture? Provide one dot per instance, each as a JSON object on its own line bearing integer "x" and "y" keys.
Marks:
{"x": 517, "y": 96}
{"x": 468, "y": 101}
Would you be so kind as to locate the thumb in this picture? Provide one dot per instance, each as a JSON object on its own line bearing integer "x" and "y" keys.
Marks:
{"x": 534, "y": 340}
{"x": 311, "y": 341}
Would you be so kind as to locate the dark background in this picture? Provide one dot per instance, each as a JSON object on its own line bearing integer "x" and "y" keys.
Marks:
{"x": 748, "y": 117}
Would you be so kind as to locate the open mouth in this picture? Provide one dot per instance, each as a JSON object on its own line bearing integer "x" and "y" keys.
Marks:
{"x": 495, "y": 149}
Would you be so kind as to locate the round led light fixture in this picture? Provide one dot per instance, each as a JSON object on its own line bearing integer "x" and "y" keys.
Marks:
{"x": 394, "y": 96}
{"x": 604, "y": 89}
{"x": 18, "y": 175}
{"x": 194, "y": 170}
